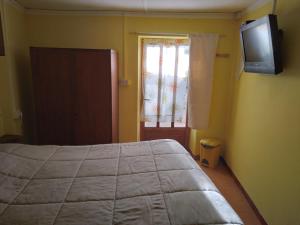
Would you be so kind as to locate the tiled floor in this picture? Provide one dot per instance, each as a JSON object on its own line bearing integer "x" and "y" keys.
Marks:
{"x": 231, "y": 191}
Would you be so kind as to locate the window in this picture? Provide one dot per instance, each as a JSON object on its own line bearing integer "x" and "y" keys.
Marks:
{"x": 165, "y": 69}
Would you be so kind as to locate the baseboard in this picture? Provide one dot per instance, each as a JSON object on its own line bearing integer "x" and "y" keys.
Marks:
{"x": 196, "y": 157}
{"x": 251, "y": 203}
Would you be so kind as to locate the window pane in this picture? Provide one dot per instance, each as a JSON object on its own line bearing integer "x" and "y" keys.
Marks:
{"x": 150, "y": 124}
{"x": 183, "y": 61}
{"x": 167, "y": 83}
{"x": 165, "y": 124}
{"x": 151, "y": 83}
{"x": 182, "y": 85}
{"x": 152, "y": 59}
{"x": 179, "y": 125}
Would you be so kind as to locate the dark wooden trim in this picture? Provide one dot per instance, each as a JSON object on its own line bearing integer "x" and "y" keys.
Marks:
{"x": 77, "y": 49}
{"x": 187, "y": 138}
{"x": 249, "y": 200}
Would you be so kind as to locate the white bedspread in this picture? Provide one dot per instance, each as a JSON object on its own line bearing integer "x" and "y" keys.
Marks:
{"x": 155, "y": 182}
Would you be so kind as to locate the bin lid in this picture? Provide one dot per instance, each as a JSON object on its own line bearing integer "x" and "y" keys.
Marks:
{"x": 210, "y": 142}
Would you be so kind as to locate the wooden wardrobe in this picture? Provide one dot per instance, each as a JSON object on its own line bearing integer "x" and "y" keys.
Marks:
{"x": 75, "y": 96}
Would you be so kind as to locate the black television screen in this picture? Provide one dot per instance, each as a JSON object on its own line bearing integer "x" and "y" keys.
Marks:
{"x": 261, "y": 47}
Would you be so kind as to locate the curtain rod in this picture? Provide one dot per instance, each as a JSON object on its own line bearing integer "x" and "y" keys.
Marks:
{"x": 168, "y": 34}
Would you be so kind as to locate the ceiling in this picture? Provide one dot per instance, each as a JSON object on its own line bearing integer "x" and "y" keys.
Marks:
{"x": 184, "y": 6}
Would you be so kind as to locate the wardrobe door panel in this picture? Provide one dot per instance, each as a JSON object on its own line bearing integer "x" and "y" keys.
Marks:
{"x": 52, "y": 71}
{"x": 92, "y": 91}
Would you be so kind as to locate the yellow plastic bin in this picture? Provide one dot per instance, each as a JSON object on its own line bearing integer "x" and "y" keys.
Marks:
{"x": 210, "y": 149}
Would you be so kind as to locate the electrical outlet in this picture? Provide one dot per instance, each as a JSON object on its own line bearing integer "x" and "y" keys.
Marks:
{"x": 124, "y": 82}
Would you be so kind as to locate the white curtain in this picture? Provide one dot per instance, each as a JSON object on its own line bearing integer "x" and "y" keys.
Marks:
{"x": 203, "y": 48}
{"x": 240, "y": 63}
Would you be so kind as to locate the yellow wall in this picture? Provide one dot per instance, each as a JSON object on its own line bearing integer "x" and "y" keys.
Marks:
{"x": 81, "y": 31}
{"x": 12, "y": 68}
{"x": 2, "y": 78}
{"x": 264, "y": 142}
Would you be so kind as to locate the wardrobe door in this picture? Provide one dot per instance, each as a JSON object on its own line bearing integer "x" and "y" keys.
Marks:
{"x": 92, "y": 93}
{"x": 52, "y": 81}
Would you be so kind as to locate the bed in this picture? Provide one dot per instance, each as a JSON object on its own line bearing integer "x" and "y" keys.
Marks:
{"x": 152, "y": 182}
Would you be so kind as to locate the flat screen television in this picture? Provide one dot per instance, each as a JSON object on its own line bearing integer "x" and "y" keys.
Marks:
{"x": 261, "y": 46}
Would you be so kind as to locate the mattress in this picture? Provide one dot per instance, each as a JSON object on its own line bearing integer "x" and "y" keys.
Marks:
{"x": 153, "y": 182}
